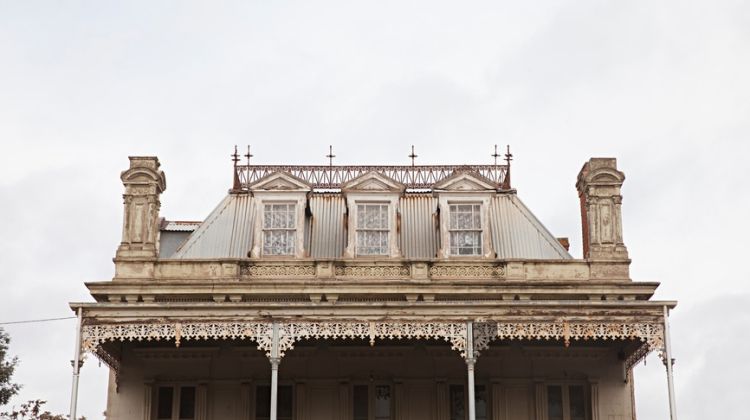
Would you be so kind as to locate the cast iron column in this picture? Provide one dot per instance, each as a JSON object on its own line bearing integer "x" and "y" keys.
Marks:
{"x": 668, "y": 363}
{"x": 76, "y": 367}
{"x": 275, "y": 359}
{"x": 470, "y": 361}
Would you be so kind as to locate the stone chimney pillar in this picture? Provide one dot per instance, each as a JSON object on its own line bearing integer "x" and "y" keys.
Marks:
{"x": 598, "y": 185}
{"x": 143, "y": 183}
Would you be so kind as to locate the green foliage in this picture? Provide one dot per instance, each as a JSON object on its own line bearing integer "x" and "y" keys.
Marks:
{"x": 32, "y": 410}
{"x": 7, "y": 366}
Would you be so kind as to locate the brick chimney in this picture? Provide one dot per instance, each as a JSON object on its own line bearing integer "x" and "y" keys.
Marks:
{"x": 598, "y": 185}
{"x": 143, "y": 183}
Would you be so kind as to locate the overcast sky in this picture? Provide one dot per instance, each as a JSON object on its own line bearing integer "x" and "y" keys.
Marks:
{"x": 661, "y": 85}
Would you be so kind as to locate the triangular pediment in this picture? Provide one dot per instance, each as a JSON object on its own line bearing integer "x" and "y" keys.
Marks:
{"x": 374, "y": 182}
{"x": 465, "y": 181}
{"x": 279, "y": 181}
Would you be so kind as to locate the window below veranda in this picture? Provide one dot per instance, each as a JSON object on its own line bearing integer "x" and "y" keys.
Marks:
{"x": 175, "y": 403}
{"x": 567, "y": 402}
{"x": 285, "y": 402}
{"x": 465, "y": 229}
{"x": 372, "y": 229}
{"x": 458, "y": 401}
{"x": 371, "y": 402}
{"x": 279, "y": 228}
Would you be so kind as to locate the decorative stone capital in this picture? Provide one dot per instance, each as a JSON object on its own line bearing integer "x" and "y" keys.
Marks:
{"x": 143, "y": 183}
{"x": 598, "y": 185}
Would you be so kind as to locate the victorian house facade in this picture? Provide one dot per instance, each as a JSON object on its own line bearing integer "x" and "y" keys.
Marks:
{"x": 371, "y": 293}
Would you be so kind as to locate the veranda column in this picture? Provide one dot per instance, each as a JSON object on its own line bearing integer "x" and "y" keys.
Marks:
{"x": 470, "y": 361}
{"x": 275, "y": 359}
{"x": 668, "y": 363}
{"x": 76, "y": 367}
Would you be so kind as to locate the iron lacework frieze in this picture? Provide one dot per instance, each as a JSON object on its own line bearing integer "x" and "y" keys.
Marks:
{"x": 332, "y": 177}
{"x": 649, "y": 334}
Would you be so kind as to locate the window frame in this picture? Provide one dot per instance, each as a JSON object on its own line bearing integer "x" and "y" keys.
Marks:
{"x": 386, "y": 250}
{"x": 479, "y": 231}
{"x": 292, "y": 247}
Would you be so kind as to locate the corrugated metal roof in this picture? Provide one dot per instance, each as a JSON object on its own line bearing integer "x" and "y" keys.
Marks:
{"x": 327, "y": 230}
{"x": 419, "y": 235}
{"x": 517, "y": 233}
{"x": 179, "y": 226}
{"x": 226, "y": 233}
{"x": 169, "y": 241}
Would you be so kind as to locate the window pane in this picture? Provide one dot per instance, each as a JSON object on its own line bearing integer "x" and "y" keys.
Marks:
{"x": 279, "y": 216}
{"x": 554, "y": 403}
{"x": 187, "y": 402}
{"x": 372, "y": 242}
{"x": 382, "y": 402}
{"x": 457, "y": 402}
{"x": 372, "y": 216}
{"x": 466, "y": 243}
{"x": 360, "y": 399}
{"x": 278, "y": 242}
{"x": 285, "y": 403}
{"x": 577, "y": 403}
{"x": 262, "y": 402}
{"x": 465, "y": 216}
{"x": 480, "y": 397}
{"x": 476, "y": 219}
{"x": 164, "y": 408}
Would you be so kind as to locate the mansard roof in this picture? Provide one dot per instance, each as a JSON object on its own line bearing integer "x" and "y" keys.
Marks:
{"x": 228, "y": 231}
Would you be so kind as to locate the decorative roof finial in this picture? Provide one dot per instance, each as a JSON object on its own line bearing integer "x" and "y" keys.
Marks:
{"x": 412, "y": 155}
{"x": 330, "y": 155}
{"x": 495, "y": 155}
{"x": 235, "y": 156}
{"x": 508, "y": 158}
{"x": 236, "y": 176}
{"x": 248, "y": 155}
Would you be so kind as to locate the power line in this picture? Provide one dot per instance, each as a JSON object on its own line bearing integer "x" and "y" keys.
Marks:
{"x": 31, "y": 321}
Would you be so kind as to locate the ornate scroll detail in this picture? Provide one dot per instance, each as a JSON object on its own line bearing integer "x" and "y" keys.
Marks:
{"x": 652, "y": 334}
{"x": 484, "y": 333}
{"x": 278, "y": 270}
{"x": 454, "y": 332}
{"x": 638, "y": 355}
{"x": 372, "y": 271}
{"x": 477, "y": 271}
{"x": 93, "y": 336}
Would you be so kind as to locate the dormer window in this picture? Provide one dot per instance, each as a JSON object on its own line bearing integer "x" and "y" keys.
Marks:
{"x": 279, "y": 228}
{"x": 465, "y": 229}
{"x": 372, "y": 229}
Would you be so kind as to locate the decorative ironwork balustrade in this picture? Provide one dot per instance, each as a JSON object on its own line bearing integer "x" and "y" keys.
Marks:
{"x": 332, "y": 177}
